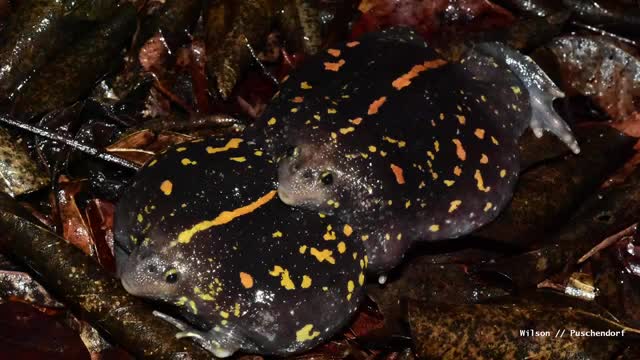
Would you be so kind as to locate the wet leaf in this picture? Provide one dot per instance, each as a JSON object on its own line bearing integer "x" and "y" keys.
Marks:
{"x": 20, "y": 286}
{"x": 430, "y": 17}
{"x": 601, "y": 69}
{"x": 26, "y": 333}
{"x": 75, "y": 71}
{"x": 508, "y": 331}
{"x": 19, "y": 173}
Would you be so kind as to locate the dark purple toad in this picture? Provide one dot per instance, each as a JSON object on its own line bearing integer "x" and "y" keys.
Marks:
{"x": 207, "y": 233}
{"x": 403, "y": 145}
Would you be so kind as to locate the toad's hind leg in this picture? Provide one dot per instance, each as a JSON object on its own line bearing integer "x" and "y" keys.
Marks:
{"x": 541, "y": 89}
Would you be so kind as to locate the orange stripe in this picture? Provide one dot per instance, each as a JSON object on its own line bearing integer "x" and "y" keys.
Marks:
{"x": 224, "y": 217}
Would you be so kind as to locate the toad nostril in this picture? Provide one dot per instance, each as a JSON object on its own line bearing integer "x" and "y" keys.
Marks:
{"x": 307, "y": 174}
{"x": 152, "y": 268}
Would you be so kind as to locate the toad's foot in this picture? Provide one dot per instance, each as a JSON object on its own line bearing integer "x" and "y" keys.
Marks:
{"x": 214, "y": 340}
{"x": 542, "y": 91}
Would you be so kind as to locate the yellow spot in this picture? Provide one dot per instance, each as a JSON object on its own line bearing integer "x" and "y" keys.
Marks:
{"x": 461, "y": 119}
{"x": 441, "y": 116}
{"x": 361, "y": 279}
{"x": 324, "y": 255}
{"x": 483, "y": 98}
{"x": 462, "y": 155}
{"x": 334, "y": 135}
{"x": 334, "y": 52}
{"x": 322, "y": 216}
{"x": 329, "y": 235}
{"x": 347, "y": 230}
{"x": 421, "y": 185}
{"x": 236, "y": 310}
{"x": 303, "y": 249}
{"x": 342, "y": 247}
{"x": 430, "y": 155}
{"x": 495, "y": 141}
{"x": 277, "y": 234}
{"x": 140, "y": 218}
{"x": 405, "y": 80}
{"x": 224, "y": 217}
{"x": 181, "y": 149}
{"x": 294, "y": 110}
{"x": 436, "y": 145}
{"x": 480, "y": 182}
{"x": 351, "y": 286}
{"x": 305, "y": 85}
{"x": 372, "y": 148}
{"x": 454, "y": 205}
{"x": 305, "y": 334}
{"x": 449, "y": 182}
{"x": 186, "y": 162}
{"x": 479, "y": 133}
{"x": 407, "y": 204}
{"x": 434, "y": 228}
{"x": 488, "y": 206}
{"x": 331, "y": 111}
{"x": 166, "y": 187}
{"x": 503, "y": 173}
{"x": 239, "y": 159}
{"x": 345, "y": 131}
{"x": 246, "y": 280}
{"x": 306, "y": 282}
{"x": 153, "y": 162}
{"x": 364, "y": 237}
{"x": 258, "y": 153}
{"x": 484, "y": 159}
{"x": 398, "y": 173}
{"x": 457, "y": 171}
{"x": 334, "y": 66}
{"x": 231, "y": 144}
{"x": 224, "y": 314}
{"x": 383, "y": 153}
{"x": 285, "y": 280}
{"x": 516, "y": 90}
{"x": 375, "y": 105}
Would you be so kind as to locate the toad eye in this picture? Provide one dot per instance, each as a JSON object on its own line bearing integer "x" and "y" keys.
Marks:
{"x": 171, "y": 276}
{"x": 327, "y": 178}
{"x": 292, "y": 151}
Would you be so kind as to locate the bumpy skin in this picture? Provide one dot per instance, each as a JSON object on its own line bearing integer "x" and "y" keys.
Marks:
{"x": 387, "y": 135}
{"x": 210, "y": 235}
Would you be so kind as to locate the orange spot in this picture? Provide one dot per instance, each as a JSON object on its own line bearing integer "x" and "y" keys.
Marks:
{"x": 462, "y": 155}
{"x": 375, "y": 105}
{"x": 405, "y": 80}
{"x": 461, "y": 119}
{"x": 397, "y": 171}
{"x": 166, "y": 187}
{"x": 356, "y": 121}
{"x": 484, "y": 159}
{"x": 457, "y": 170}
{"x": 297, "y": 99}
{"x": 246, "y": 280}
{"x": 334, "y": 52}
{"x": 334, "y": 66}
{"x": 479, "y": 133}
{"x": 353, "y": 44}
